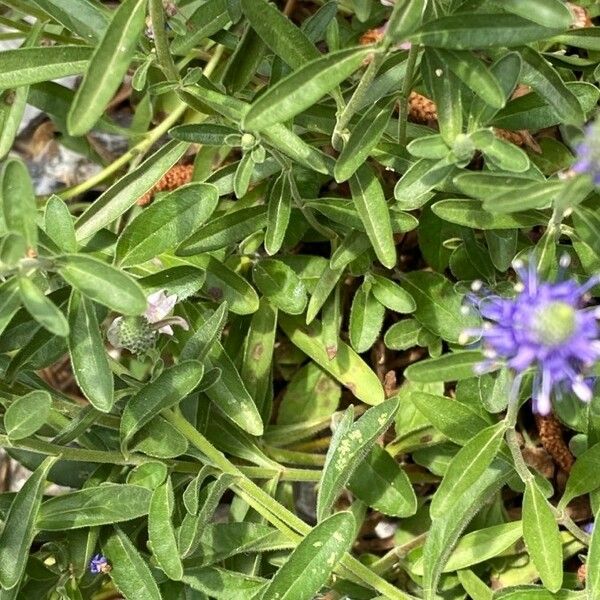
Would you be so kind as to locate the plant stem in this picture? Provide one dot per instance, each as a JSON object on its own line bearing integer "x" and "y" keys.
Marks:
{"x": 411, "y": 61}
{"x": 161, "y": 42}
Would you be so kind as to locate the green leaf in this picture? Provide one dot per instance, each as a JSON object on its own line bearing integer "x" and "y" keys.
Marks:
{"x": 88, "y": 354}
{"x": 402, "y": 335}
{"x": 349, "y": 446}
{"x": 41, "y": 308}
{"x": 225, "y": 230}
{"x": 108, "y": 65}
{"x": 26, "y": 414}
{"x": 542, "y": 537}
{"x": 412, "y": 190}
{"x": 278, "y": 216}
{"x": 471, "y": 214}
{"x": 366, "y": 319}
{"x": 25, "y": 66}
{"x": 549, "y": 13}
{"x": 279, "y": 33}
{"x": 469, "y": 464}
{"x": 368, "y": 198}
{"x": 161, "y": 534}
{"x": 280, "y": 285}
{"x": 303, "y": 88}
{"x": 406, "y": 17}
{"x": 582, "y": 478}
{"x": 129, "y": 572}
{"x": 19, "y": 526}
{"x": 82, "y": 17}
{"x": 207, "y": 134}
{"x": 313, "y": 560}
{"x": 448, "y": 367}
{"x": 391, "y": 295}
{"x": 166, "y": 223}
{"x": 592, "y": 578}
{"x": 18, "y": 200}
{"x": 323, "y": 288}
{"x": 534, "y": 194}
{"x": 382, "y": 484}
{"x": 546, "y": 81}
{"x": 9, "y": 302}
{"x": 102, "y": 283}
{"x": 347, "y": 367}
{"x": 364, "y": 137}
{"x": 474, "y": 74}
{"x": 93, "y": 506}
{"x": 58, "y": 224}
{"x": 123, "y": 194}
{"x": 438, "y": 305}
{"x": 168, "y": 389}
{"x": 480, "y": 31}
{"x": 209, "y": 18}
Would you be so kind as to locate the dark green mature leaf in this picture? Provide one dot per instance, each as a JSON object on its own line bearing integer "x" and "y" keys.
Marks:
{"x": 169, "y": 388}
{"x": 278, "y": 217}
{"x": 103, "y": 283}
{"x": 41, "y": 308}
{"x": 58, "y": 224}
{"x": 88, "y": 354}
{"x": 448, "y": 367}
{"x": 25, "y": 66}
{"x": 303, "y": 88}
{"x": 542, "y": 537}
{"x": 313, "y": 560}
{"x": 481, "y": 31}
{"x": 368, "y": 198}
{"x": 549, "y": 13}
{"x": 122, "y": 195}
{"x": 165, "y": 224}
{"x": 391, "y": 295}
{"x": 366, "y": 319}
{"x": 84, "y": 18}
{"x": 108, "y": 65}
{"x": 27, "y": 414}
{"x": 279, "y": 33}
{"x": 349, "y": 446}
{"x": 129, "y": 572}
{"x": 19, "y": 526}
{"x": 381, "y": 483}
{"x": 92, "y": 506}
{"x": 209, "y": 18}
{"x": 582, "y": 477}
{"x": 280, "y": 285}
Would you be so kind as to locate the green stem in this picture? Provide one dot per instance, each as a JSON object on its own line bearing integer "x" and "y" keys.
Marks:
{"x": 272, "y": 510}
{"x": 564, "y": 519}
{"x": 161, "y": 42}
{"x": 411, "y": 61}
{"x": 512, "y": 441}
{"x": 294, "y": 457}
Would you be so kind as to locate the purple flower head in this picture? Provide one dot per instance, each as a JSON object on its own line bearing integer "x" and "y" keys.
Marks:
{"x": 589, "y": 527}
{"x": 546, "y": 326}
{"x": 99, "y": 564}
{"x": 588, "y": 153}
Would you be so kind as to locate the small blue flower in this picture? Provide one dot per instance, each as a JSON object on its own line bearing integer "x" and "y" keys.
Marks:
{"x": 588, "y": 527}
{"x": 588, "y": 153}
{"x": 99, "y": 564}
{"x": 545, "y": 326}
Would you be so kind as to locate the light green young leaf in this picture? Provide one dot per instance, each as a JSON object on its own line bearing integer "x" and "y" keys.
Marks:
{"x": 41, "y": 308}
{"x": 26, "y": 414}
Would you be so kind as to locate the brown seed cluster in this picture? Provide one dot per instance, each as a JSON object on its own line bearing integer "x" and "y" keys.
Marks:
{"x": 421, "y": 109}
{"x": 175, "y": 177}
{"x": 581, "y": 17}
{"x": 582, "y": 574}
{"x": 551, "y": 436}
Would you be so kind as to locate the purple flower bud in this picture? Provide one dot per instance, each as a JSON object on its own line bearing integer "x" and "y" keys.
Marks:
{"x": 99, "y": 564}
{"x": 588, "y": 153}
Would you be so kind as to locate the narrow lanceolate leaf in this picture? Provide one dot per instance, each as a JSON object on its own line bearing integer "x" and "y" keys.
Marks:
{"x": 108, "y": 65}
{"x": 94, "y": 506}
{"x": 18, "y": 201}
{"x": 313, "y": 560}
{"x": 542, "y": 537}
{"x": 303, "y": 88}
{"x": 88, "y": 354}
{"x": 103, "y": 283}
{"x": 369, "y": 201}
{"x": 366, "y": 319}
{"x": 582, "y": 478}
{"x": 121, "y": 196}
{"x": 161, "y": 532}
{"x": 165, "y": 224}
{"x": 466, "y": 467}
{"x": 347, "y": 367}
{"x": 592, "y": 580}
{"x": 448, "y": 367}
{"x": 279, "y": 33}
{"x": 129, "y": 572}
{"x": 19, "y": 526}
{"x": 348, "y": 448}
{"x": 9, "y": 302}
{"x": 25, "y": 66}
{"x": 278, "y": 216}
{"x": 41, "y": 308}
{"x": 58, "y": 224}
{"x": 169, "y": 388}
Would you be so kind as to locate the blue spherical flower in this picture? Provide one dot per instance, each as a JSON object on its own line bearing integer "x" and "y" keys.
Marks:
{"x": 99, "y": 564}
{"x": 588, "y": 153}
{"x": 545, "y": 326}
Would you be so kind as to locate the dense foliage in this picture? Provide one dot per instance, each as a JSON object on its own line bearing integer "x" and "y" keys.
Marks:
{"x": 281, "y": 341}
